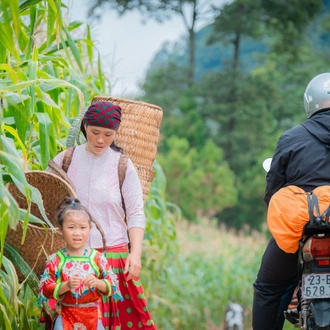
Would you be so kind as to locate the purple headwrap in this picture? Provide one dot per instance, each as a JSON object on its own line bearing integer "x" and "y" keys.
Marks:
{"x": 102, "y": 114}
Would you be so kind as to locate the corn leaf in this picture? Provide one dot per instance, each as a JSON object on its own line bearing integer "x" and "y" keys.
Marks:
{"x": 31, "y": 278}
{"x": 32, "y": 75}
{"x": 10, "y": 208}
{"x": 3, "y": 53}
{"x": 13, "y": 132}
{"x": 14, "y": 8}
{"x": 28, "y": 4}
{"x": 10, "y": 71}
{"x": 51, "y": 17}
{"x": 5, "y": 217}
{"x": 99, "y": 70}
{"x": 10, "y": 158}
{"x": 7, "y": 40}
{"x": 45, "y": 98}
{"x": 89, "y": 44}
{"x": 52, "y": 6}
{"x": 63, "y": 83}
{"x": 4, "y": 312}
{"x": 44, "y": 132}
{"x": 23, "y": 40}
{"x": 11, "y": 98}
{"x": 33, "y": 17}
{"x": 32, "y": 218}
{"x": 74, "y": 49}
{"x": 75, "y": 25}
{"x": 34, "y": 195}
{"x": 10, "y": 276}
{"x": 16, "y": 87}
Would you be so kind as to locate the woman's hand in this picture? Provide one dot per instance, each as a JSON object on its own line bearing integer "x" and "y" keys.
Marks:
{"x": 133, "y": 261}
{"x": 132, "y": 266}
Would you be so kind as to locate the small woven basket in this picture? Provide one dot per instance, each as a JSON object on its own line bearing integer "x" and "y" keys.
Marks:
{"x": 39, "y": 242}
{"x": 138, "y": 135}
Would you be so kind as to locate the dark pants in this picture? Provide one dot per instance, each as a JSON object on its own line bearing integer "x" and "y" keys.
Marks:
{"x": 273, "y": 288}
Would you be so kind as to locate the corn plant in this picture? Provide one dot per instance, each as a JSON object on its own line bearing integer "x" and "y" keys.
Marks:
{"x": 18, "y": 309}
{"x": 46, "y": 75}
{"x": 48, "y": 68}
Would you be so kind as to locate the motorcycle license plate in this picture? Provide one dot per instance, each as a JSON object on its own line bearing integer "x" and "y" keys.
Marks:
{"x": 316, "y": 285}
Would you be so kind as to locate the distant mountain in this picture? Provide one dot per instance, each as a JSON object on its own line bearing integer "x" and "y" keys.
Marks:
{"x": 215, "y": 57}
{"x": 208, "y": 57}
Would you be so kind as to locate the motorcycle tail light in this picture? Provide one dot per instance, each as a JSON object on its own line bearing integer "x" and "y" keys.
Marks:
{"x": 323, "y": 262}
{"x": 317, "y": 248}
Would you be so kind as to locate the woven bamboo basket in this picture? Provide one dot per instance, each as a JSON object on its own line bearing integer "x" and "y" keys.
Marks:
{"x": 138, "y": 134}
{"x": 39, "y": 242}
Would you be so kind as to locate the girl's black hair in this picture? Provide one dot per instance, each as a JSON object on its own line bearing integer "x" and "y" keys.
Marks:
{"x": 72, "y": 203}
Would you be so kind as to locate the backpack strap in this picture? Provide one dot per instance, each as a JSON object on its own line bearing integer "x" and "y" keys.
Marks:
{"x": 53, "y": 168}
{"x": 67, "y": 158}
{"x": 122, "y": 167}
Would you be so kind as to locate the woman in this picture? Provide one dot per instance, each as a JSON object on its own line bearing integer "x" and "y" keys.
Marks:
{"x": 94, "y": 173}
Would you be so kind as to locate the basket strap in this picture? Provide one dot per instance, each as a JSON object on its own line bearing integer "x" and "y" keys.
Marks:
{"x": 122, "y": 166}
{"x": 67, "y": 158}
{"x": 57, "y": 170}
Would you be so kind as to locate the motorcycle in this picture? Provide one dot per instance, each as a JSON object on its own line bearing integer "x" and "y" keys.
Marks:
{"x": 313, "y": 292}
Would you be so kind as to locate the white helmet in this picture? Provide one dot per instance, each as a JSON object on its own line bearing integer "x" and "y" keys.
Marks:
{"x": 317, "y": 94}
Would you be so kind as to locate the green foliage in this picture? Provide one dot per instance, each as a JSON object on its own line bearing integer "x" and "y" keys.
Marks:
{"x": 211, "y": 269}
{"x": 242, "y": 108}
{"x": 199, "y": 175}
{"x": 45, "y": 78}
{"x": 240, "y": 17}
{"x": 44, "y": 81}
{"x": 18, "y": 309}
{"x": 172, "y": 80}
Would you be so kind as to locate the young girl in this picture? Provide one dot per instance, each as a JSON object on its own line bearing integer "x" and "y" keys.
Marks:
{"x": 76, "y": 276}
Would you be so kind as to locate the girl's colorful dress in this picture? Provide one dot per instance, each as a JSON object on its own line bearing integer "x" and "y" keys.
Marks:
{"x": 78, "y": 307}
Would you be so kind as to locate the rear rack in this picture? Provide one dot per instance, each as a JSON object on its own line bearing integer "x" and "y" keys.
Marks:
{"x": 319, "y": 223}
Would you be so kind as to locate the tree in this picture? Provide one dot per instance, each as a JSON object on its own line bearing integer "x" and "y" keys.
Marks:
{"x": 199, "y": 181}
{"x": 191, "y": 11}
{"x": 287, "y": 24}
{"x": 237, "y": 20}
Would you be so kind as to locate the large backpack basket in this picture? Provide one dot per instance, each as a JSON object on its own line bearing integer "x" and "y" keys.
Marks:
{"x": 138, "y": 134}
{"x": 40, "y": 241}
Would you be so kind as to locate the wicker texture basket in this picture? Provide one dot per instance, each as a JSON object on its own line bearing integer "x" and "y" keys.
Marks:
{"x": 138, "y": 135}
{"x": 39, "y": 242}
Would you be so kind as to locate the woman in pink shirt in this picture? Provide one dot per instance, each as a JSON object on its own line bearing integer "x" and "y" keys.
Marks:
{"x": 94, "y": 173}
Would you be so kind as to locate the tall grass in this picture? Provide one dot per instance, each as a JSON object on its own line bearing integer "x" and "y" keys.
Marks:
{"x": 212, "y": 267}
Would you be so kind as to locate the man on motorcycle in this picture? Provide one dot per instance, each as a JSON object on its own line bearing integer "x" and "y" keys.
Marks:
{"x": 301, "y": 158}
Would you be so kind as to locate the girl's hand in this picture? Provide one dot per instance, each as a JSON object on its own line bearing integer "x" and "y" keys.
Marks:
{"x": 132, "y": 266}
{"x": 74, "y": 282}
{"x": 91, "y": 281}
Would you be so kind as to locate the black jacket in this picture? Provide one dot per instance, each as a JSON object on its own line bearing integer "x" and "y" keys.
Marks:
{"x": 302, "y": 156}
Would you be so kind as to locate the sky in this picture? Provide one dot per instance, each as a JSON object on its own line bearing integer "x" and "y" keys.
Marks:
{"x": 127, "y": 46}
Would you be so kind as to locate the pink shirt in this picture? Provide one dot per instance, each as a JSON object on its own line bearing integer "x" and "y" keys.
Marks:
{"x": 97, "y": 187}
